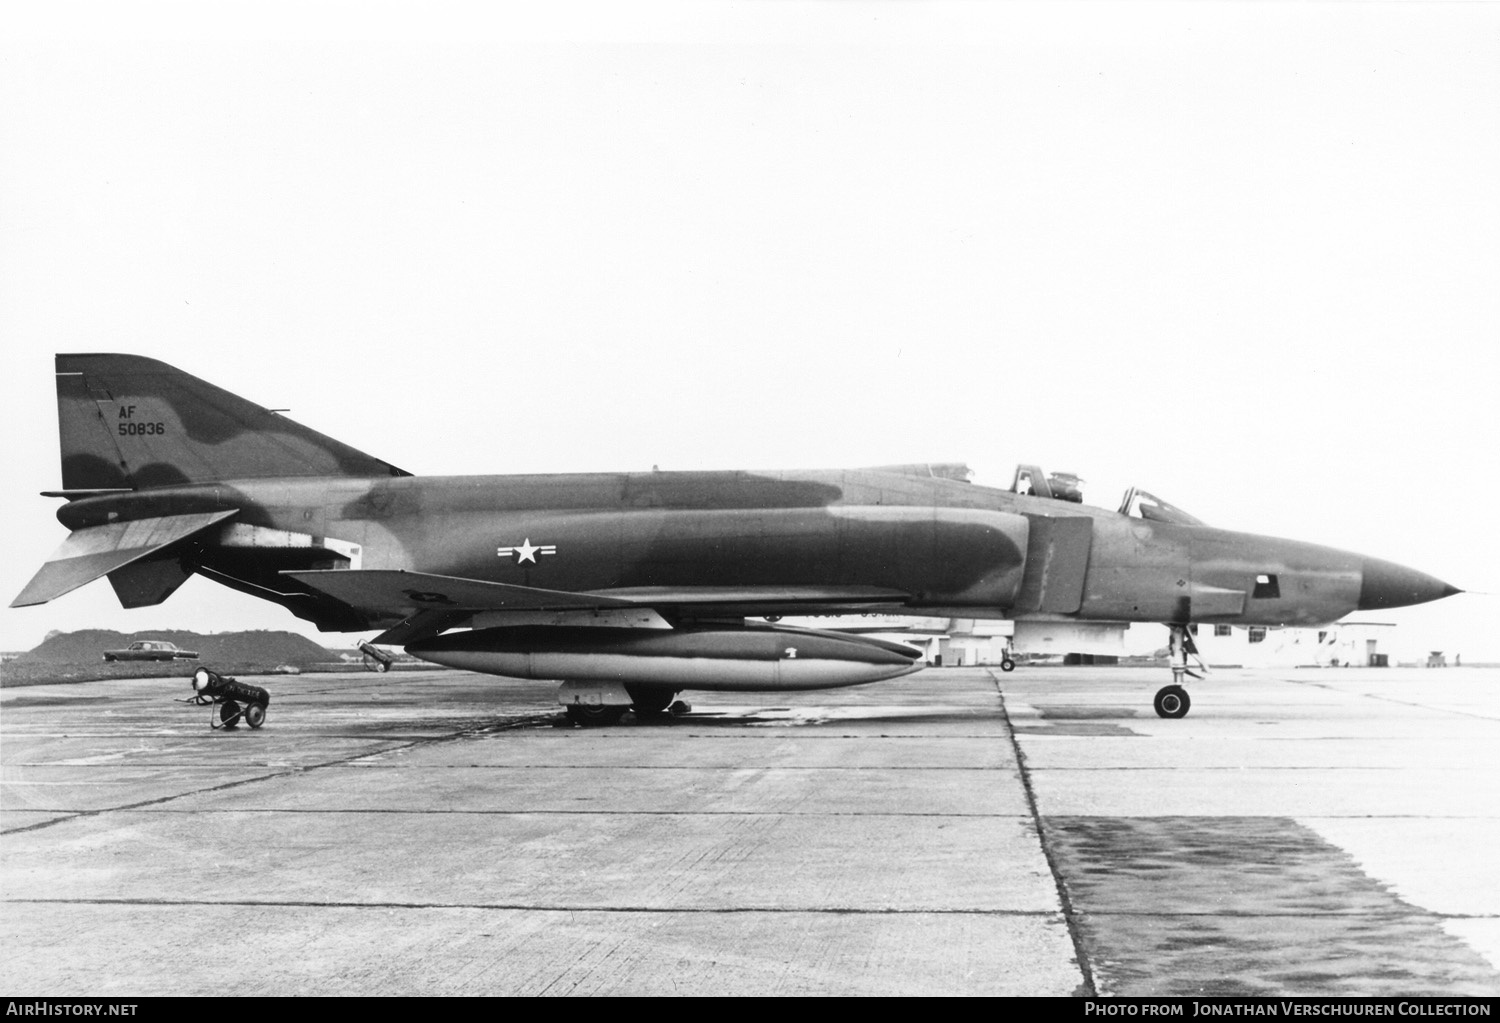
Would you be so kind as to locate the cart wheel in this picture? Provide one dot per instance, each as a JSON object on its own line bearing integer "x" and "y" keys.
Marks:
{"x": 229, "y": 714}
{"x": 255, "y": 715}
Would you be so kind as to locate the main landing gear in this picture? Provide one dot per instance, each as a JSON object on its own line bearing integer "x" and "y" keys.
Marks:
{"x": 594, "y": 715}
{"x": 596, "y": 705}
{"x": 1173, "y": 701}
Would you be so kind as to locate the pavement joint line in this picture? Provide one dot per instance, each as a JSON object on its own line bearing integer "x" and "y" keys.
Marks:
{"x": 138, "y": 808}
{"x": 1307, "y": 767}
{"x": 1240, "y": 914}
{"x": 540, "y": 813}
{"x": 1414, "y": 911}
{"x": 78, "y": 814}
{"x": 117, "y": 764}
{"x": 1080, "y": 953}
{"x": 750, "y": 730}
{"x": 463, "y": 733}
{"x": 351, "y": 687}
{"x": 502, "y": 725}
{"x": 544, "y": 907}
{"x": 1390, "y": 699}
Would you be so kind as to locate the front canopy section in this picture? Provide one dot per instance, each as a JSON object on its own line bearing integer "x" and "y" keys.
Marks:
{"x": 1031, "y": 481}
{"x": 1141, "y": 504}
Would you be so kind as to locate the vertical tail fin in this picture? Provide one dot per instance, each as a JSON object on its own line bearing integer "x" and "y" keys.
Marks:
{"x": 128, "y": 422}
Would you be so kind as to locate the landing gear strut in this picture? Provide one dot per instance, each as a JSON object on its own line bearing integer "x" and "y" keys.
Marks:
{"x": 1172, "y": 701}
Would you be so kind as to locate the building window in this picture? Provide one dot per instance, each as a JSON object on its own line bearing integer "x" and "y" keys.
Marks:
{"x": 1223, "y": 630}
{"x": 1266, "y": 586}
{"x": 1257, "y": 635}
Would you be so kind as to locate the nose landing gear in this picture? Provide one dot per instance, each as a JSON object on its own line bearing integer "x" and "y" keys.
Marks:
{"x": 1173, "y": 701}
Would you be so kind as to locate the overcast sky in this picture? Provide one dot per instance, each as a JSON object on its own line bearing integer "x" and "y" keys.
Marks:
{"x": 1244, "y": 255}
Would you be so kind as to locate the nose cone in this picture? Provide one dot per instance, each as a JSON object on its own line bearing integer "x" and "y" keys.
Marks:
{"x": 1386, "y": 584}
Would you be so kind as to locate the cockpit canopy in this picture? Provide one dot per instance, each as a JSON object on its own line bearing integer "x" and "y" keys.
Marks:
{"x": 1065, "y": 486}
{"x": 1145, "y": 505}
{"x": 1060, "y": 486}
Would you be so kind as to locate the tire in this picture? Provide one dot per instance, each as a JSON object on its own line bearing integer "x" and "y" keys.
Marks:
{"x": 229, "y": 714}
{"x": 1006, "y": 664}
{"x": 650, "y": 701}
{"x": 594, "y": 717}
{"x": 1172, "y": 702}
{"x": 255, "y": 715}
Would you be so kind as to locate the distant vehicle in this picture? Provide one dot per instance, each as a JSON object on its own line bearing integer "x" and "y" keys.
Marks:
{"x": 149, "y": 650}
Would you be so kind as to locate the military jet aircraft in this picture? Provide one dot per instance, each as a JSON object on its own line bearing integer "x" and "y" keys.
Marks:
{"x": 633, "y": 587}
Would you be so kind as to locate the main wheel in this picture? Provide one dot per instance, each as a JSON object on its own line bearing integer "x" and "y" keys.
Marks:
{"x": 593, "y": 716}
{"x": 650, "y": 701}
{"x": 1172, "y": 702}
{"x": 1006, "y": 664}
{"x": 229, "y": 714}
{"x": 255, "y": 715}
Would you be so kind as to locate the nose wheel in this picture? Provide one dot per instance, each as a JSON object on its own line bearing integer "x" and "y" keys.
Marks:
{"x": 1172, "y": 702}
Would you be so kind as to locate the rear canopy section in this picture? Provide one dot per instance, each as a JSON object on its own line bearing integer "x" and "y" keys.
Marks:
{"x": 128, "y": 422}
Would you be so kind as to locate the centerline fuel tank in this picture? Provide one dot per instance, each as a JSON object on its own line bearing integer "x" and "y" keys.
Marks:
{"x": 749, "y": 659}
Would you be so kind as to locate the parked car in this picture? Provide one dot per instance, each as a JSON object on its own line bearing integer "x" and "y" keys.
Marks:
{"x": 149, "y": 650}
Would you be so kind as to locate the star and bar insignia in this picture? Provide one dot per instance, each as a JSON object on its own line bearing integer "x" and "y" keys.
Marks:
{"x": 526, "y": 551}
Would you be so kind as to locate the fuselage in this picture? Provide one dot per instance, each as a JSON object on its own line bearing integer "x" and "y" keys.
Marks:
{"x": 927, "y": 545}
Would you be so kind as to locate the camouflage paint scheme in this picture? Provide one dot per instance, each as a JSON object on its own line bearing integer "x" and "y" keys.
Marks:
{"x": 167, "y": 475}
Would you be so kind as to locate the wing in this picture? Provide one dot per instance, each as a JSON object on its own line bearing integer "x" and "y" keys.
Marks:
{"x": 427, "y": 604}
{"x": 402, "y": 591}
{"x": 398, "y": 590}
